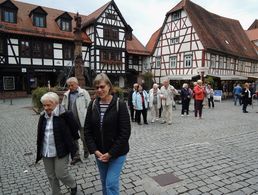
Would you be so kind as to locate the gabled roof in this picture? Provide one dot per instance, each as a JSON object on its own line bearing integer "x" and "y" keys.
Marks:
{"x": 93, "y": 17}
{"x": 216, "y": 33}
{"x": 153, "y": 41}
{"x": 254, "y": 25}
{"x": 134, "y": 46}
{"x": 24, "y": 25}
{"x": 90, "y": 19}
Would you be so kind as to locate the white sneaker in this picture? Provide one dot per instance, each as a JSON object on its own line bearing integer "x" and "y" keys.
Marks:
{"x": 153, "y": 120}
{"x": 182, "y": 115}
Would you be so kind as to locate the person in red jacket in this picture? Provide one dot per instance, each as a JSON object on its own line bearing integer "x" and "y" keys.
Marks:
{"x": 199, "y": 94}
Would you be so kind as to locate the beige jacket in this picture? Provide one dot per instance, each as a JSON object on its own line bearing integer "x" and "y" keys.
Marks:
{"x": 82, "y": 103}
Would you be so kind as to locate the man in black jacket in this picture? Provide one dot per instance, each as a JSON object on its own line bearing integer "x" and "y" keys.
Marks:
{"x": 130, "y": 103}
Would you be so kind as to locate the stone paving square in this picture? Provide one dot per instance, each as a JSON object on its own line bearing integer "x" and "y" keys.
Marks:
{"x": 215, "y": 155}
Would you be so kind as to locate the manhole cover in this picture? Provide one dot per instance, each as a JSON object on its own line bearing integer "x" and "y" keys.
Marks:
{"x": 166, "y": 179}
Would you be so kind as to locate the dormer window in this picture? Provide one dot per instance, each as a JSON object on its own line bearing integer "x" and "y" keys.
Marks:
{"x": 8, "y": 12}
{"x": 39, "y": 17}
{"x": 64, "y": 22}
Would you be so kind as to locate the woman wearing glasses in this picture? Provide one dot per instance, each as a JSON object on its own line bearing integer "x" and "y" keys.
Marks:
{"x": 107, "y": 131}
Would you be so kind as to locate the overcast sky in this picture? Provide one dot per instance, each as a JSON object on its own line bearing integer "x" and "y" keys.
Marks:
{"x": 146, "y": 16}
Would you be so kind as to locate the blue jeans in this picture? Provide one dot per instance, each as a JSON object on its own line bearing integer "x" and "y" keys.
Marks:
{"x": 110, "y": 173}
{"x": 237, "y": 97}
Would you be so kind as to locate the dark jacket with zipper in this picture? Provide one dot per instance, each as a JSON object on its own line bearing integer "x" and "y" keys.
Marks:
{"x": 114, "y": 135}
{"x": 65, "y": 130}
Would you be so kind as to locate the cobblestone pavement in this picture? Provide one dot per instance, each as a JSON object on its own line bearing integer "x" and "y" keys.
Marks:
{"x": 215, "y": 155}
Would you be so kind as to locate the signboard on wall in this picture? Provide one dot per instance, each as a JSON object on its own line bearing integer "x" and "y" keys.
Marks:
{"x": 9, "y": 83}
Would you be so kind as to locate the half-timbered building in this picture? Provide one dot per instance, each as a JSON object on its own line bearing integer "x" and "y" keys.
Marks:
{"x": 252, "y": 34}
{"x": 115, "y": 50}
{"x": 37, "y": 46}
{"x": 193, "y": 42}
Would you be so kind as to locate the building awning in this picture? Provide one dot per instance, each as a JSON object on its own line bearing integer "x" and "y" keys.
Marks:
{"x": 178, "y": 77}
{"x": 230, "y": 77}
{"x": 253, "y": 77}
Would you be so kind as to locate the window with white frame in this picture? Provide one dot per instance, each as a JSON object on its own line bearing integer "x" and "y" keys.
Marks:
{"x": 188, "y": 61}
{"x": 158, "y": 62}
{"x": 221, "y": 63}
{"x": 213, "y": 61}
{"x": 172, "y": 61}
{"x": 228, "y": 63}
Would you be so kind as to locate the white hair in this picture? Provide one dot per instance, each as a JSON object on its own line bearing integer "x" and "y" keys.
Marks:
{"x": 155, "y": 85}
{"x": 185, "y": 85}
{"x": 72, "y": 79}
{"x": 51, "y": 96}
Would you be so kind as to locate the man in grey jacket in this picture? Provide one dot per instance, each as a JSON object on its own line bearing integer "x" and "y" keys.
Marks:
{"x": 77, "y": 100}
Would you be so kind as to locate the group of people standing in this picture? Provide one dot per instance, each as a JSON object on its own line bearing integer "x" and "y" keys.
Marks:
{"x": 103, "y": 124}
{"x": 161, "y": 101}
{"x": 140, "y": 101}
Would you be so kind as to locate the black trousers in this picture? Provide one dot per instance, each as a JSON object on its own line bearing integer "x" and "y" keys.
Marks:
{"x": 198, "y": 108}
{"x": 132, "y": 112}
{"x": 138, "y": 115}
{"x": 211, "y": 102}
{"x": 185, "y": 106}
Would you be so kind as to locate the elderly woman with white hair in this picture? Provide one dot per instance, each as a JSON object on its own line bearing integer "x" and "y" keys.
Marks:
{"x": 185, "y": 94}
{"x": 57, "y": 130}
{"x": 155, "y": 102}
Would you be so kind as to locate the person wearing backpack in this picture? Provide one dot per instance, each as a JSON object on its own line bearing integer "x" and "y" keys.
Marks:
{"x": 107, "y": 132}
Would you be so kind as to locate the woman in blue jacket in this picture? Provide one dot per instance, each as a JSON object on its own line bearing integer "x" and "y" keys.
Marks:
{"x": 140, "y": 103}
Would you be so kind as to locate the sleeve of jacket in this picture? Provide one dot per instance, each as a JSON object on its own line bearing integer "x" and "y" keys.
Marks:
{"x": 72, "y": 124}
{"x": 124, "y": 130}
{"x": 39, "y": 138}
{"x": 88, "y": 130}
{"x": 87, "y": 97}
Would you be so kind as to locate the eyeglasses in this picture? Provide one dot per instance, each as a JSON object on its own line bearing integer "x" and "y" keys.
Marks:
{"x": 100, "y": 87}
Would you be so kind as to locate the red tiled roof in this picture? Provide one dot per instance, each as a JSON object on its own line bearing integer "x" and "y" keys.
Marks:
{"x": 252, "y": 34}
{"x": 153, "y": 41}
{"x": 216, "y": 33}
{"x": 25, "y": 26}
{"x": 254, "y": 25}
{"x": 134, "y": 46}
{"x": 94, "y": 15}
